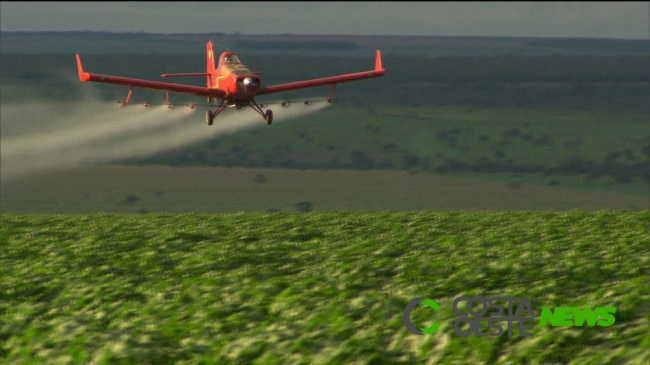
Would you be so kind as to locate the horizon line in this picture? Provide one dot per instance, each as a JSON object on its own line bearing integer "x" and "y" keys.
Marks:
{"x": 239, "y": 34}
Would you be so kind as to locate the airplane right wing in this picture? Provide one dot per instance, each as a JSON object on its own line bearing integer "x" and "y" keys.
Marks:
{"x": 146, "y": 84}
{"x": 377, "y": 72}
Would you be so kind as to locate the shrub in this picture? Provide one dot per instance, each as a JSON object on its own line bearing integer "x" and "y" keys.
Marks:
{"x": 261, "y": 179}
{"x": 304, "y": 206}
{"x": 131, "y": 199}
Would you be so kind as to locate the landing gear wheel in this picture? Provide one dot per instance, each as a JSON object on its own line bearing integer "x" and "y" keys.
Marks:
{"x": 209, "y": 117}
{"x": 268, "y": 116}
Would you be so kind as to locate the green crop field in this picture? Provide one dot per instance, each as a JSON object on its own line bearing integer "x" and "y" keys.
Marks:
{"x": 315, "y": 288}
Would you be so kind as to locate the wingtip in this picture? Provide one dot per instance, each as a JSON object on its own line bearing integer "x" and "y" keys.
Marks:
{"x": 378, "y": 65}
{"x": 83, "y": 76}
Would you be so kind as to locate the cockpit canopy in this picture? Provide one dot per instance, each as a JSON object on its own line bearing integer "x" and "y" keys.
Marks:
{"x": 229, "y": 58}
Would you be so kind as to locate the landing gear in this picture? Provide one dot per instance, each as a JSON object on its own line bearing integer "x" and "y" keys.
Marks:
{"x": 209, "y": 117}
{"x": 268, "y": 116}
{"x": 329, "y": 97}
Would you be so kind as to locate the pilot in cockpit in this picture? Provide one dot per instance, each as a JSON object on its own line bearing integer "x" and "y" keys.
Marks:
{"x": 231, "y": 59}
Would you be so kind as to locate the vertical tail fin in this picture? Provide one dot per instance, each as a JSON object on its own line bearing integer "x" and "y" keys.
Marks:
{"x": 210, "y": 63}
{"x": 378, "y": 66}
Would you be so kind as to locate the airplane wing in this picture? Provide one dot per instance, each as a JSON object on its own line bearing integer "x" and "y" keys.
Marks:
{"x": 146, "y": 84}
{"x": 377, "y": 72}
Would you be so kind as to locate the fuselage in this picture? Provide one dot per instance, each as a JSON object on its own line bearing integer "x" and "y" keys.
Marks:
{"x": 234, "y": 78}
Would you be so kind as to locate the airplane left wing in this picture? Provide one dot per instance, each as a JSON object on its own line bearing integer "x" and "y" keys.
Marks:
{"x": 332, "y": 80}
{"x": 147, "y": 84}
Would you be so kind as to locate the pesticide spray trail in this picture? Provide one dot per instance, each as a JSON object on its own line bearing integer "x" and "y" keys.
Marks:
{"x": 99, "y": 132}
{"x": 102, "y": 124}
{"x": 192, "y": 130}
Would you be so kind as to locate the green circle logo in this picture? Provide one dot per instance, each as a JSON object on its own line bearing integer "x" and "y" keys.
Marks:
{"x": 406, "y": 316}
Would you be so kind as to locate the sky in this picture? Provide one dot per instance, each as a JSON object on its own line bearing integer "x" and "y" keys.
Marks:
{"x": 510, "y": 19}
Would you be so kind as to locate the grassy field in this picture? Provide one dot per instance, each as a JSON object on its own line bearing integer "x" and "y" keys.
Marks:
{"x": 385, "y": 136}
{"x": 93, "y": 189}
{"x": 434, "y": 140}
{"x": 421, "y": 131}
{"x": 316, "y": 288}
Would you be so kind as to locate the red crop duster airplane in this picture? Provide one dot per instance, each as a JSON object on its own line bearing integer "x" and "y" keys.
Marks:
{"x": 231, "y": 84}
